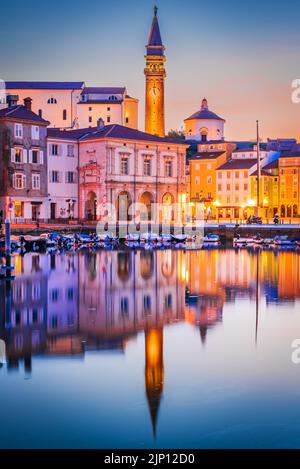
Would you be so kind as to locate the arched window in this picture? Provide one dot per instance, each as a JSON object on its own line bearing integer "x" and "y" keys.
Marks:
{"x": 282, "y": 211}
{"x": 112, "y": 98}
{"x": 52, "y": 101}
{"x": 295, "y": 211}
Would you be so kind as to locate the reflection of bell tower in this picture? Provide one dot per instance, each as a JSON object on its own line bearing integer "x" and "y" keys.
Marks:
{"x": 154, "y": 371}
{"x": 155, "y": 75}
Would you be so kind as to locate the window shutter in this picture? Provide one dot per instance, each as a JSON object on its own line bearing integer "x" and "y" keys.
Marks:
{"x": 66, "y": 176}
{"x": 29, "y": 156}
{"x": 58, "y": 150}
{"x": 50, "y": 176}
{"x": 25, "y": 155}
{"x": 13, "y": 155}
{"x": 41, "y": 157}
{"x": 14, "y": 181}
{"x": 24, "y": 181}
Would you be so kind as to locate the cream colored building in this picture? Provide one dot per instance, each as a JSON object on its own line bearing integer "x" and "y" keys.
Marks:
{"x": 73, "y": 105}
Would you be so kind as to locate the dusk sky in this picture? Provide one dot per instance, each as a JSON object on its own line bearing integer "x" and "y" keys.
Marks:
{"x": 242, "y": 56}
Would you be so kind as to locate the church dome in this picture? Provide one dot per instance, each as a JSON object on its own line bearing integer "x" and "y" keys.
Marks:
{"x": 204, "y": 113}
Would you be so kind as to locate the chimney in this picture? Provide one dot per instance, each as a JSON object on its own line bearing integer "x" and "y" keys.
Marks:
{"x": 12, "y": 100}
{"x": 100, "y": 123}
{"x": 27, "y": 103}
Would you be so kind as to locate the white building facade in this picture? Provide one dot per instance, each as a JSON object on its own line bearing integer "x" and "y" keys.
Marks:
{"x": 73, "y": 105}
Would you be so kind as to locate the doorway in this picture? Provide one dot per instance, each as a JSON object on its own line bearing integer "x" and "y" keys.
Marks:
{"x": 52, "y": 211}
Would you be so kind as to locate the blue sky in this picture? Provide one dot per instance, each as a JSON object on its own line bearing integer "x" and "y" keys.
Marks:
{"x": 242, "y": 56}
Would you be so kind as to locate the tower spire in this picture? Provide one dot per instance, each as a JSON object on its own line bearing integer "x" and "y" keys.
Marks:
{"x": 155, "y": 75}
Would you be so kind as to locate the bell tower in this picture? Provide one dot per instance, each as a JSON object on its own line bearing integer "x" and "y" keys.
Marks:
{"x": 155, "y": 75}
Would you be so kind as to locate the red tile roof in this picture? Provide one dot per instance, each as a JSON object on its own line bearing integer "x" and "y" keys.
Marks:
{"x": 238, "y": 164}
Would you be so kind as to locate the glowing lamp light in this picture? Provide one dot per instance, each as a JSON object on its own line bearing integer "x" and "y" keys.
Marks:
{"x": 265, "y": 201}
{"x": 251, "y": 203}
{"x": 216, "y": 203}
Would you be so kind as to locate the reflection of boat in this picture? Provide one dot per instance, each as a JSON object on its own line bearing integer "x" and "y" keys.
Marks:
{"x": 33, "y": 242}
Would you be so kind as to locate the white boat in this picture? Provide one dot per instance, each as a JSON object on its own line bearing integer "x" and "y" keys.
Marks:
{"x": 149, "y": 237}
{"x": 239, "y": 240}
{"x": 132, "y": 237}
{"x": 283, "y": 241}
{"x": 211, "y": 238}
{"x": 179, "y": 238}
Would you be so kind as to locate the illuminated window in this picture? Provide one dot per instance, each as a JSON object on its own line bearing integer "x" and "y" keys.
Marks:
{"x": 19, "y": 209}
{"x": 18, "y": 155}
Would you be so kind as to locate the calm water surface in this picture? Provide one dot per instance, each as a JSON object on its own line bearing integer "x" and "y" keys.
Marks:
{"x": 151, "y": 349}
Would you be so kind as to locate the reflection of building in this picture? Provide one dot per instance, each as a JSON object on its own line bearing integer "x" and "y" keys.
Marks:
{"x": 124, "y": 292}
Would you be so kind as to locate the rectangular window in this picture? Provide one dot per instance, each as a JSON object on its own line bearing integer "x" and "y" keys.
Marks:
{"x": 64, "y": 114}
{"x": 237, "y": 187}
{"x": 237, "y": 174}
{"x": 90, "y": 109}
{"x": 70, "y": 177}
{"x": 40, "y": 112}
{"x": 19, "y": 181}
{"x": 108, "y": 108}
{"x": 168, "y": 169}
{"x": 228, "y": 187}
{"x": 70, "y": 150}
{"x": 54, "y": 176}
{"x": 36, "y": 181}
{"x": 147, "y": 167}
{"x": 108, "y": 119}
{"x": 228, "y": 174}
{"x": 19, "y": 130}
{"x": 35, "y": 157}
{"x": 19, "y": 209}
{"x": 219, "y": 187}
{"x": 18, "y": 155}
{"x": 245, "y": 187}
{"x": 127, "y": 120}
{"x": 220, "y": 175}
{"x": 124, "y": 165}
{"x": 90, "y": 119}
{"x": 54, "y": 149}
{"x": 35, "y": 132}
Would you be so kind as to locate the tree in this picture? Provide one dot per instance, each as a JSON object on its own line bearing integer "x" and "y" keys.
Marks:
{"x": 178, "y": 134}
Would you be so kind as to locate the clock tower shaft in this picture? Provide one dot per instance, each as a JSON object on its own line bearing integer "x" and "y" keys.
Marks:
{"x": 155, "y": 76}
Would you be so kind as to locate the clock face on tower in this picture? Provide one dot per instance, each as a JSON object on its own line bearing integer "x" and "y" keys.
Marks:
{"x": 154, "y": 91}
